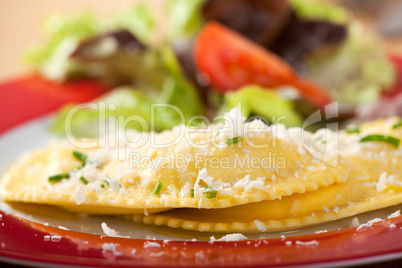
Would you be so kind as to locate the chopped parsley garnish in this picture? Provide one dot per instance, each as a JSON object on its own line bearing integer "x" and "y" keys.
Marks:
{"x": 84, "y": 180}
{"x": 233, "y": 140}
{"x": 382, "y": 138}
{"x": 81, "y": 157}
{"x": 192, "y": 192}
{"x": 397, "y": 125}
{"x": 157, "y": 188}
{"x": 102, "y": 185}
{"x": 209, "y": 193}
{"x": 59, "y": 177}
{"x": 107, "y": 181}
{"x": 352, "y": 129}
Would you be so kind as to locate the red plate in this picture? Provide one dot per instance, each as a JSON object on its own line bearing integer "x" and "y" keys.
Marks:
{"x": 31, "y": 96}
{"x": 32, "y": 243}
{"x": 26, "y": 242}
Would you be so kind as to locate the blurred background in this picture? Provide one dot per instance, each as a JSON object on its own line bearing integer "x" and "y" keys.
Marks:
{"x": 21, "y": 24}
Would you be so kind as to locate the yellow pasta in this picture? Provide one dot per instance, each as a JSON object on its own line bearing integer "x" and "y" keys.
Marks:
{"x": 375, "y": 181}
{"x": 212, "y": 170}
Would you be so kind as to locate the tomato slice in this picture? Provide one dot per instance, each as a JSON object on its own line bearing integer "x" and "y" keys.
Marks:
{"x": 397, "y": 87}
{"x": 230, "y": 61}
{"x": 33, "y": 95}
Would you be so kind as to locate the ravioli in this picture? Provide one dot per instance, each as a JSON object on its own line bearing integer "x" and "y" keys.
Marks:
{"x": 375, "y": 182}
{"x": 188, "y": 167}
{"x": 299, "y": 210}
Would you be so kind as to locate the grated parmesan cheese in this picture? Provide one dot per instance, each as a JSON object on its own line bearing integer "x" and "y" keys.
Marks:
{"x": 395, "y": 214}
{"x": 229, "y": 237}
{"x": 114, "y": 185}
{"x": 109, "y": 231}
{"x": 336, "y": 210}
{"x": 157, "y": 254}
{"x": 52, "y": 238}
{"x": 152, "y": 245}
{"x": 355, "y": 222}
{"x": 199, "y": 255}
{"x": 248, "y": 185}
{"x": 79, "y": 195}
{"x": 202, "y": 175}
{"x": 368, "y": 224}
{"x": 55, "y": 238}
{"x": 382, "y": 182}
{"x": 307, "y": 243}
{"x": 110, "y": 247}
{"x": 260, "y": 225}
{"x": 234, "y": 120}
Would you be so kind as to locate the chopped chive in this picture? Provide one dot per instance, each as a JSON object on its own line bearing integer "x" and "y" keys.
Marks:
{"x": 192, "y": 192}
{"x": 382, "y": 138}
{"x": 80, "y": 156}
{"x": 397, "y": 125}
{"x": 209, "y": 193}
{"x": 77, "y": 168}
{"x": 320, "y": 140}
{"x": 352, "y": 129}
{"x": 233, "y": 140}
{"x": 108, "y": 180}
{"x": 157, "y": 188}
{"x": 84, "y": 180}
{"x": 59, "y": 177}
{"x": 102, "y": 185}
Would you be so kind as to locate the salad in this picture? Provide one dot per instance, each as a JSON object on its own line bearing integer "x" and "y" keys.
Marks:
{"x": 281, "y": 61}
{"x": 276, "y": 58}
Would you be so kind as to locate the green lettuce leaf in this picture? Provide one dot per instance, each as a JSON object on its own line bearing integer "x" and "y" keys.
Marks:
{"x": 65, "y": 32}
{"x": 319, "y": 10}
{"x": 59, "y": 28}
{"x": 255, "y": 100}
{"x": 178, "y": 91}
{"x": 138, "y": 19}
{"x": 355, "y": 73}
{"x": 184, "y": 18}
{"x": 124, "y": 108}
{"x": 159, "y": 87}
{"x": 92, "y": 119}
